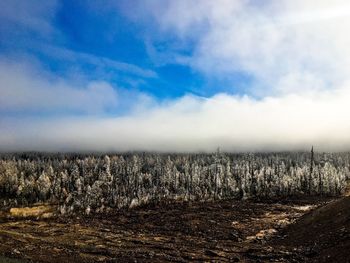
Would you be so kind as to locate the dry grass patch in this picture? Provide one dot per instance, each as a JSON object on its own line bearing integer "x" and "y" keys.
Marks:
{"x": 42, "y": 211}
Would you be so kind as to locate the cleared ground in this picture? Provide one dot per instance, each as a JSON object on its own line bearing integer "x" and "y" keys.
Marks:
{"x": 224, "y": 231}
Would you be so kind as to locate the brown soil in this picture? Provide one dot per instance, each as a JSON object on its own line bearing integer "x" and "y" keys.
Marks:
{"x": 223, "y": 231}
{"x": 323, "y": 234}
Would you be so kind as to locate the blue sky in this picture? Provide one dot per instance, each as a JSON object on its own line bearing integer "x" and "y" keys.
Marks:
{"x": 191, "y": 75}
{"x": 81, "y": 27}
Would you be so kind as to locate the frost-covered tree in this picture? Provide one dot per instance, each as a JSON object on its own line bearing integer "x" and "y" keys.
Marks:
{"x": 43, "y": 185}
{"x": 95, "y": 183}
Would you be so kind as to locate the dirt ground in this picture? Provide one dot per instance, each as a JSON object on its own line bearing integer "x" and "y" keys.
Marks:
{"x": 325, "y": 232}
{"x": 222, "y": 231}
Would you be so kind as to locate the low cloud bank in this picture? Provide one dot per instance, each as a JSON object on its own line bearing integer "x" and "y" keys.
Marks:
{"x": 233, "y": 123}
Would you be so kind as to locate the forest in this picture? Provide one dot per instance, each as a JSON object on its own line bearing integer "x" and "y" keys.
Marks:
{"x": 96, "y": 183}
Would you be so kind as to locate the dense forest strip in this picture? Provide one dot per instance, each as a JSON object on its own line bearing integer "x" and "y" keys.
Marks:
{"x": 100, "y": 183}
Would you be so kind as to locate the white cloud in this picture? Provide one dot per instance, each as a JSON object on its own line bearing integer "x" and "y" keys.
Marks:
{"x": 297, "y": 51}
{"x": 196, "y": 124}
{"x": 100, "y": 62}
{"x": 26, "y": 88}
{"x": 283, "y": 45}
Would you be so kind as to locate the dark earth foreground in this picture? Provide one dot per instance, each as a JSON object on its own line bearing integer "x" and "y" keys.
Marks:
{"x": 295, "y": 230}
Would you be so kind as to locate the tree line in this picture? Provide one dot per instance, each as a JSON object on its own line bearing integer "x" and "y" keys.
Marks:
{"x": 97, "y": 183}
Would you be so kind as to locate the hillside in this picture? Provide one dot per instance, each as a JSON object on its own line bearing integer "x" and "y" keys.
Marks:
{"x": 323, "y": 234}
